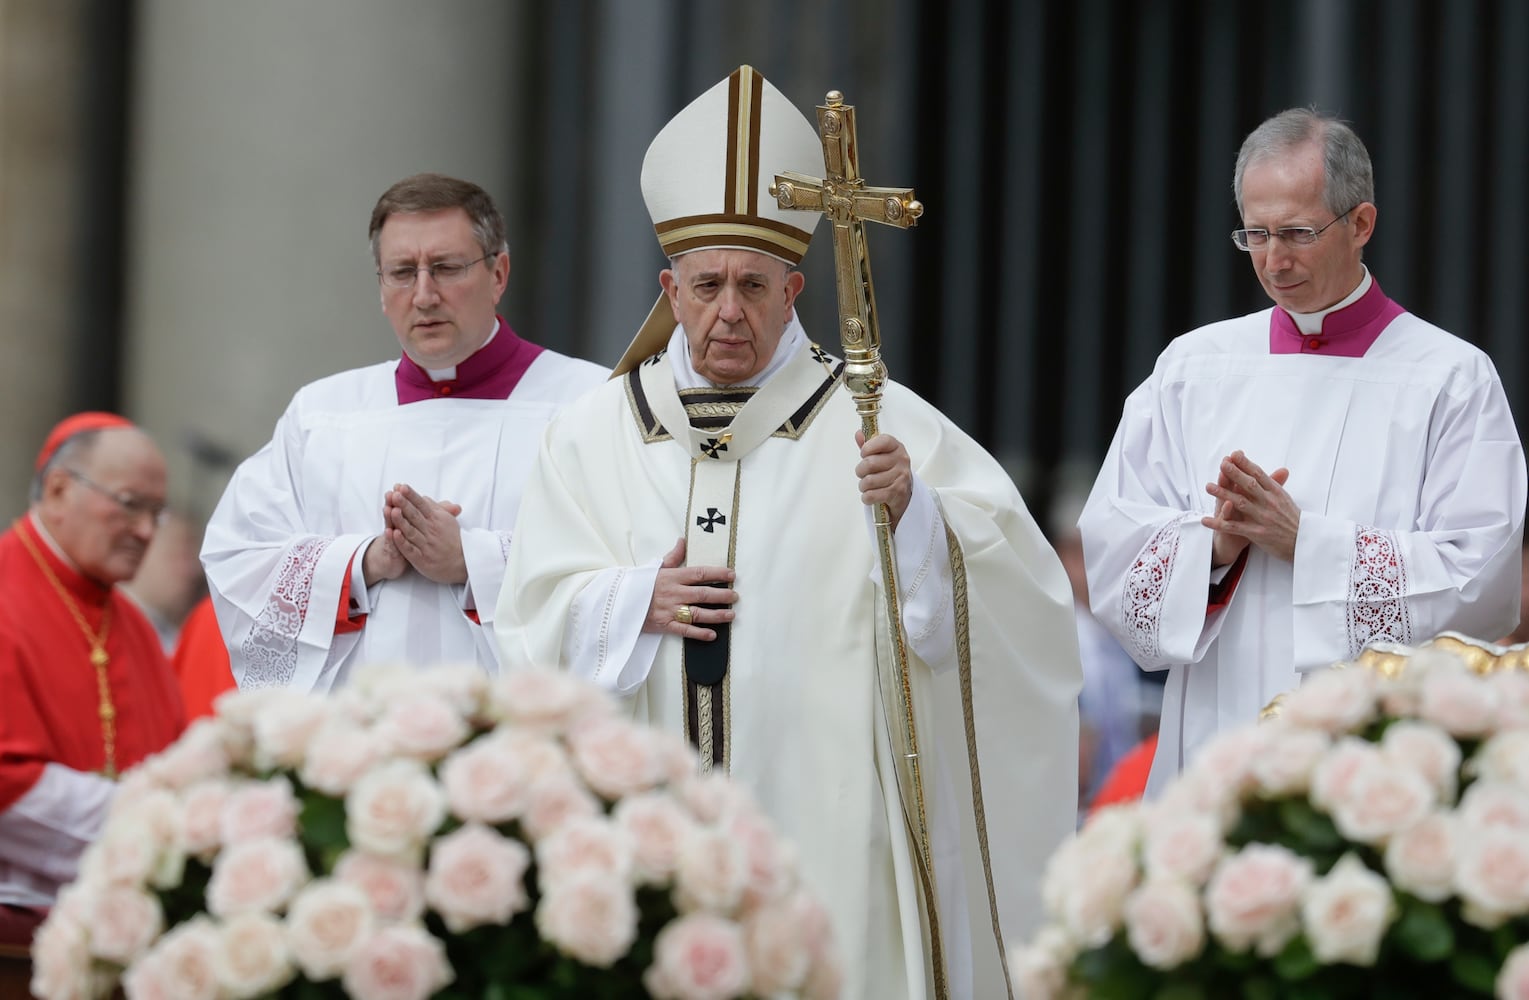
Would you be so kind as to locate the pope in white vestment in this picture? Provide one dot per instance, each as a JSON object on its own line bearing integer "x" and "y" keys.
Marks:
{"x": 457, "y": 418}
{"x": 761, "y": 477}
{"x": 1403, "y": 461}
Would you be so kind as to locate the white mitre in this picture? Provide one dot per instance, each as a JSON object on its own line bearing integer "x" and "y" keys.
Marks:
{"x": 706, "y": 181}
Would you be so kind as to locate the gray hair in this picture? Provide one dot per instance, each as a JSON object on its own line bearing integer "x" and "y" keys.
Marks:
{"x": 1349, "y": 178}
{"x": 76, "y": 447}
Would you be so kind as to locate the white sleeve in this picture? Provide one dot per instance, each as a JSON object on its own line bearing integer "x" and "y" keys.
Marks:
{"x": 45, "y": 831}
{"x": 603, "y": 637}
{"x": 922, "y": 558}
{"x": 275, "y": 585}
{"x": 1459, "y": 567}
{"x": 485, "y": 552}
{"x": 1147, "y": 556}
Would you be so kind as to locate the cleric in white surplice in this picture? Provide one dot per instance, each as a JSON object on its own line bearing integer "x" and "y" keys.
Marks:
{"x": 374, "y": 525}
{"x": 729, "y": 455}
{"x": 1292, "y": 485}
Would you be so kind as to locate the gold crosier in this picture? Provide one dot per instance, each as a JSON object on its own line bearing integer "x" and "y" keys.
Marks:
{"x": 99, "y": 658}
{"x": 843, "y": 197}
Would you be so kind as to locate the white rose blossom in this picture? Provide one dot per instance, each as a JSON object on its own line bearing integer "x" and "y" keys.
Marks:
{"x": 1164, "y": 923}
{"x": 1345, "y": 913}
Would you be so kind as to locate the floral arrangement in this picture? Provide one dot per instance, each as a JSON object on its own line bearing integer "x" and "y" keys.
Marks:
{"x": 433, "y": 833}
{"x": 1370, "y": 838}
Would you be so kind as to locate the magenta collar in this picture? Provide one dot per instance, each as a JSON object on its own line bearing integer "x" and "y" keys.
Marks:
{"x": 1346, "y": 332}
{"x": 491, "y": 373}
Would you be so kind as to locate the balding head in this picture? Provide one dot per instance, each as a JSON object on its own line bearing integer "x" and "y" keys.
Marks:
{"x": 99, "y": 497}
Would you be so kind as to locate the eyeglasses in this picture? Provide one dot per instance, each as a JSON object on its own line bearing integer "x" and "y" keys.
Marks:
{"x": 132, "y": 504}
{"x": 442, "y": 272}
{"x": 1294, "y": 236}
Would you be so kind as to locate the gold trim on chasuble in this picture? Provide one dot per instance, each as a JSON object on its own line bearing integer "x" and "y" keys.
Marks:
{"x": 720, "y": 427}
{"x": 968, "y": 716}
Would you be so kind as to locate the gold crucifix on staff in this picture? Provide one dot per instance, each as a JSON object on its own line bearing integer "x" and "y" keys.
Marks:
{"x": 848, "y": 203}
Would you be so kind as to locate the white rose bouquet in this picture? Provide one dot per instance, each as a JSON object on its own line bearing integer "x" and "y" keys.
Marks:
{"x": 433, "y": 834}
{"x": 1369, "y": 839}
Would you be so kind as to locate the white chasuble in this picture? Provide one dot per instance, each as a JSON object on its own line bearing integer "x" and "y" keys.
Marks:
{"x": 797, "y": 715}
{"x": 278, "y": 549}
{"x": 1409, "y": 475}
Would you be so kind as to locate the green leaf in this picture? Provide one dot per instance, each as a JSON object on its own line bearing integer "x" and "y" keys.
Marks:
{"x": 1474, "y": 972}
{"x": 1424, "y": 932}
{"x": 1296, "y": 962}
{"x": 1181, "y": 991}
{"x": 1314, "y": 828}
{"x": 1259, "y": 988}
{"x": 323, "y": 822}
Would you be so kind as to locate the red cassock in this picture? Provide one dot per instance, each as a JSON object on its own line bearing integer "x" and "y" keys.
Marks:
{"x": 49, "y": 696}
{"x": 201, "y": 661}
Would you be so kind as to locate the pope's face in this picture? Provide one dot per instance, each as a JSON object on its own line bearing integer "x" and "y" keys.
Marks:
{"x": 734, "y": 306}
{"x": 98, "y": 506}
{"x": 439, "y": 325}
{"x": 1286, "y": 190}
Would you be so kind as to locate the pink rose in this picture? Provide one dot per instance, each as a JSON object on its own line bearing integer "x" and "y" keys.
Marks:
{"x": 255, "y": 875}
{"x": 148, "y": 979}
{"x": 699, "y": 956}
{"x": 1164, "y": 924}
{"x": 1493, "y": 803}
{"x": 394, "y": 808}
{"x": 486, "y": 781}
{"x": 237, "y": 711}
{"x": 1185, "y": 845}
{"x": 1346, "y": 912}
{"x": 187, "y": 957}
{"x": 253, "y": 959}
{"x": 327, "y": 924}
{"x": 200, "y": 753}
{"x": 61, "y": 962}
{"x": 770, "y": 866}
{"x": 126, "y": 853}
{"x": 202, "y": 818}
{"x": 1333, "y": 701}
{"x": 476, "y": 877}
{"x": 590, "y": 917}
{"x": 554, "y": 801}
{"x": 616, "y": 757}
{"x": 259, "y": 809}
{"x": 1427, "y": 750}
{"x": 402, "y": 962}
{"x": 1461, "y": 703}
{"x": 1383, "y": 798}
{"x": 340, "y": 752}
{"x": 283, "y": 728}
{"x": 1510, "y": 689}
{"x": 656, "y": 828}
{"x": 422, "y": 726}
{"x": 1040, "y": 968}
{"x": 1094, "y": 901}
{"x": 586, "y": 846}
{"x": 779, "y": 949}
{"x": 1253, "y": 898}
{"x": 1287, "y": 767}
{"x": 396, "y": 890}
{"x": 125, "y": 921}
{"x": 712, "y": 873}
{"x": 1492, "y": 875}
{"x": 1335, "y": 773}
{"x": 1504, "y": 758}
{"x": 1513, "y": 977}
{"x": 545, "y": 700}
{"x": 1225, "y": 762}
{"x": 1421, "y": 859}
{"x": 712, "y": 797}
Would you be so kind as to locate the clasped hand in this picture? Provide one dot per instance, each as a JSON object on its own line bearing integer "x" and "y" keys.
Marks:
{"x": 1251, "y": 507}
{"x": 418, "y": 532}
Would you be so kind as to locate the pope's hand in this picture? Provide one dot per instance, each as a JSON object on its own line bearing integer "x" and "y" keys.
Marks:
{"x": 886, "y": 474}
{"x": 426, "y": 533}
{"x": 686, "y": 587}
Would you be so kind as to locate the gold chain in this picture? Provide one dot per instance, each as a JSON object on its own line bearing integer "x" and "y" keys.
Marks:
{"x": 98, "y": 655}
